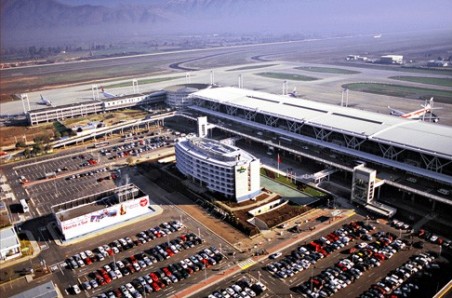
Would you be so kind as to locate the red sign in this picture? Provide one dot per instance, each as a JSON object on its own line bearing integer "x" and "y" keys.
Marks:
{"x": 143, "y": 202}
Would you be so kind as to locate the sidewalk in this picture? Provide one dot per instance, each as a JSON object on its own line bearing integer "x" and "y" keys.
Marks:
{"x": 194, "y": 289}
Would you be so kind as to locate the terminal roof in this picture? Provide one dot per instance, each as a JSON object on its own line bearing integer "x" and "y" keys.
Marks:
{"x": 416, "y": 135}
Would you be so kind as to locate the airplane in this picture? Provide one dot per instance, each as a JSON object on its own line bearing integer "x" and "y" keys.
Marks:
{"x": 418, "y": 114}
{"x": 45, "y": 101}
{"x": 377, "y": 36}
{"x": 293, "y": 93}
{"x": 107, "y": 94}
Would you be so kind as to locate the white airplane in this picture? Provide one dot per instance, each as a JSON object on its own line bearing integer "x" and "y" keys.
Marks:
{"x": 377, "y": 36}
{"x": 418, "y": 114}
{"x": 45, "y": 101}
{"x": 107, "y": 94}
{"x": 293, "y": 93}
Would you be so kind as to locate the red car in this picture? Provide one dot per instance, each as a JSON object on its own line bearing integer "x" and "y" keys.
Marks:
{"x": 154, "y": 276}
{"x": 167, "y": 271}
{"x": 169, "y": 252}
{"x": 155, "y": 286}
{"x": 107, "y": 278}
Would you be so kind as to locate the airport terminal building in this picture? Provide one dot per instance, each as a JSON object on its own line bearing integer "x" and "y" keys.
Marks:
{"x": 335, "y": 136}
{"x": 221, "y": 168}
{"x": 82, "y": 109}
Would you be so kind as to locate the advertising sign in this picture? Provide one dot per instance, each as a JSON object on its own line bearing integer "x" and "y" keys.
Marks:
{"x": 100, "y": 219}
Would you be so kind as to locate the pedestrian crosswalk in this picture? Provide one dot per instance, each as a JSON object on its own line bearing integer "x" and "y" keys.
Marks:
{"x": 246, "y": 264}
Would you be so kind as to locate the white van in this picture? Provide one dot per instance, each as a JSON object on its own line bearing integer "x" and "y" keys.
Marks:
{"x": 24, "y": 204}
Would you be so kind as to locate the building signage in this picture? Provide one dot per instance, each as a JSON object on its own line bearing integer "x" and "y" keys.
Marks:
{"x": 103, "y": 218}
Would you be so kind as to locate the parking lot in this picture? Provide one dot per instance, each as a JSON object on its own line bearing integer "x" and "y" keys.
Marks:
{"x": 318, "y": 269}
{"x": 45, "y": 182}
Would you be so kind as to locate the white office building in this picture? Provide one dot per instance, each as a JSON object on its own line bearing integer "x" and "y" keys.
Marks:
{"x": 219, "y": 167}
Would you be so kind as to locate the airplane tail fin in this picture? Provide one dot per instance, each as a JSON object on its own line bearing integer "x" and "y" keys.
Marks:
{"x": 428, "y": 104}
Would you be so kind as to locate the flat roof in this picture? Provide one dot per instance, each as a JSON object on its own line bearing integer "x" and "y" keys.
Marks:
{"x": 429, "y": 138}
{"x": 123, "y": 96}
{"x": 45, "y": 290}
{"x": 65, "y": 106}
{"x": 96, "y": 202}
{"x": 8, "y": 238}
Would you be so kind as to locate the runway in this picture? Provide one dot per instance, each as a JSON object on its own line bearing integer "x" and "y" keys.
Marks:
{"x": 286, "y": 56}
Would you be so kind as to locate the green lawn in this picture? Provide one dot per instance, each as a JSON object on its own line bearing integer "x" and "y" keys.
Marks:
{"x": 446, "y": 82}
{"x": 251, "y": 67}
{"x": 286, "y": 76}
{"x": 327, "y": 70}
{"x": 401, "y": 91}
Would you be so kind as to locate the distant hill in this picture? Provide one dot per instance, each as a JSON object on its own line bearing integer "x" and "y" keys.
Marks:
{"x": 30, "y": 21}
{"x": 42, "y": 14}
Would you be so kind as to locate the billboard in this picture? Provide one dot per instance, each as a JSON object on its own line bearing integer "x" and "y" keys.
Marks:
{"x": 103, "y": 218}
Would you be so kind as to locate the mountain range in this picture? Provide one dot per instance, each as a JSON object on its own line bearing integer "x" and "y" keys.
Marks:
{"x": 41, "y": 20}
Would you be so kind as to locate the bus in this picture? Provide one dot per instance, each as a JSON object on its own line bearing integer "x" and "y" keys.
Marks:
{"x": 24, "y": 204}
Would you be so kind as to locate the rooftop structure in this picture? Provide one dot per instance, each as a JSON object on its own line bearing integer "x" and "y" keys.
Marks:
{"x": 177, "y": 95}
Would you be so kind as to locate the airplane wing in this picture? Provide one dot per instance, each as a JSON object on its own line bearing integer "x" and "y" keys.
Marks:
{"x": 395, "y": 112}
{"x": 108, "y": 95}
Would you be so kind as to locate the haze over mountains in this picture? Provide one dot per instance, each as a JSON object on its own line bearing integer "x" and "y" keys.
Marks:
{"x": 59, "y": 21}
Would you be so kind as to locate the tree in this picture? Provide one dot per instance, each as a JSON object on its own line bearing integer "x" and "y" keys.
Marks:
{"x": 27, "y": 152}
{"x": 37, "y": 148}
{"x": 21, "y": 144}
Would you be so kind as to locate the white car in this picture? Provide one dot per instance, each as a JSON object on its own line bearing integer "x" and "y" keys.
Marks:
{"x": 362, "y": 245}
{"x": 89, "y": 253}
{"x": 275, "y": 255}
{"x": 76, "y": 289}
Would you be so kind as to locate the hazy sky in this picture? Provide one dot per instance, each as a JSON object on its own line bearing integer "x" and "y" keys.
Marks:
{"x": 41, "y": 19}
